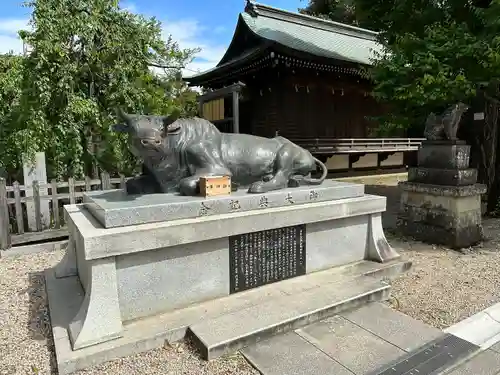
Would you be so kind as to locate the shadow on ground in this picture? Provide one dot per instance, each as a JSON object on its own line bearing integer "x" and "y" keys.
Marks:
{"x": 39, "y": 320}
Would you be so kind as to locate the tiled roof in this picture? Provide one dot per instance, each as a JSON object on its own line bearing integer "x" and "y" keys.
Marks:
{"x": 310, "y": 35}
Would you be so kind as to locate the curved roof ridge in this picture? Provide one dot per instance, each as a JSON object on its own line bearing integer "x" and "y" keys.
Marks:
{"x": 256, "y": 9}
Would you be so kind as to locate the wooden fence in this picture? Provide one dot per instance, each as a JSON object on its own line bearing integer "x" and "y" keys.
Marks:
{"x": 13, "y": 207}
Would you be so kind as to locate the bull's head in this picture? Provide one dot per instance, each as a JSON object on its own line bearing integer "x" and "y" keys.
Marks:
{"x": 146, "y": 133}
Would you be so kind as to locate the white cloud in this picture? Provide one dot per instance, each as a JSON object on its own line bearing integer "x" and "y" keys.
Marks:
{"x": 9, "y": 38}
{"x": 131, "y": 7}
{"x": 191, "y": 34}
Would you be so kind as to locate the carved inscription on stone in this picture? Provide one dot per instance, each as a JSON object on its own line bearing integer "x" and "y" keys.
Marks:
{"x": 263, "y": 202}
{"x": 204, "y": 209}
{"x": 265, "y": 257}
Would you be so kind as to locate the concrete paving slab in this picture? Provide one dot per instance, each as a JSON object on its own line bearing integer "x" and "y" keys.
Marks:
{"x": 477, "y": 329}
{"x": 397, "y": 328}
{"x": 485, "y": 363}
{"x": 494, "y": 312}
{"x": 495, "y": 347}
{"x": 290, "y": 354}
{"x": 491, "y": 342}
{"x": 353, "y": 347}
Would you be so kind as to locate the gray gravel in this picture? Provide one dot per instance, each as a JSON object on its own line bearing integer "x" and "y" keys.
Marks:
{"x": 26, "y": 345}
{"x": 445, "y": 286}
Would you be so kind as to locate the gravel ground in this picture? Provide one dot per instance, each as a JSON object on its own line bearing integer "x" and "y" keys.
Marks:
{"x": 26, "y": 345}
{"x": 442, "y": 288}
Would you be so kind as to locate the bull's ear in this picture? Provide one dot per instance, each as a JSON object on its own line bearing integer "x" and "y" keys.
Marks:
{"x": 120, "y": 128}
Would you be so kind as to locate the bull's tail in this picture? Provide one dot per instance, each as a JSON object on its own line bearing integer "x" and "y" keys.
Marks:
{"x": 317, "y": 181}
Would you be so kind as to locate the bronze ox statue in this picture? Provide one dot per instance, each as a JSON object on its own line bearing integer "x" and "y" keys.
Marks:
{"x": 176, "y": 153}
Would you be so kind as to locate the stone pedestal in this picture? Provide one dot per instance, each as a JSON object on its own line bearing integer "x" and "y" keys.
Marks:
{"x": 132, "y": 266}
{"x": 441, "y": 202}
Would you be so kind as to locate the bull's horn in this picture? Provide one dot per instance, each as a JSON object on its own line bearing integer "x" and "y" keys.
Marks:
{"x": 172, "y": 117}
{"x": 121, "y": 114}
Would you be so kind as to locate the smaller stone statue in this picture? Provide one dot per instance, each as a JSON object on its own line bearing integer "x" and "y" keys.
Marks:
{"x": 445, "y": 126}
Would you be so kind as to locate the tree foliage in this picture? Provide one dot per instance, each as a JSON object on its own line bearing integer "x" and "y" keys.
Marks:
{"x": 87, "y": 57}
{"x": 435, "y": 52}
{"x": 444, "y": 53}
{"x": 336, "y": 10}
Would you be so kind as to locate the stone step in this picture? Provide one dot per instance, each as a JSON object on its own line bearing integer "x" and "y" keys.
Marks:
{"x": 231, "y": 332}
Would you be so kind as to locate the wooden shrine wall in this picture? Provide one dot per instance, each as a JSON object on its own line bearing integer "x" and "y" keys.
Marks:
{"x": 307, "y": 105}
{"x": 214, "y": 110}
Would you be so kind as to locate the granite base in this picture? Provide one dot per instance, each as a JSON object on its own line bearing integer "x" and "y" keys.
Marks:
{"x": 445, "y": 215}
{"x": 447, "y": 177}
{"x": 141, "y": 271}
{"x": 444, "y": 155}
{"x": 115, "y": 208}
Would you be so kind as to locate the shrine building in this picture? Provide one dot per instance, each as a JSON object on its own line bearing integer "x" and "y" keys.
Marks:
{"x": 304, "y": 78}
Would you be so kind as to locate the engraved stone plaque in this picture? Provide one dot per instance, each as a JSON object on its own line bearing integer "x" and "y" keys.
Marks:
{"x": 265, "y": 257}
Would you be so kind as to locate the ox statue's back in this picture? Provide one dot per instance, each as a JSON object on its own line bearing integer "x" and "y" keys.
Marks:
{"x": 177, "y": 153}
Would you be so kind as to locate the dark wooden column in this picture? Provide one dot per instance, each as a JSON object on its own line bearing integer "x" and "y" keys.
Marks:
{"x": 236, "y": 112}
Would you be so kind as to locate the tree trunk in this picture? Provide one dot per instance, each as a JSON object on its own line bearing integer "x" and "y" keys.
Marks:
{"x": 489, "y": 147}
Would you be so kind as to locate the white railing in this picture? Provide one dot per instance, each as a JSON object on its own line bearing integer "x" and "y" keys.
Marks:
{"x": 358, "y": 145}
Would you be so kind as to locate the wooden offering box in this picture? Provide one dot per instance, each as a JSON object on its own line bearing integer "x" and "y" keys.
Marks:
{"x": 212, "y": 186}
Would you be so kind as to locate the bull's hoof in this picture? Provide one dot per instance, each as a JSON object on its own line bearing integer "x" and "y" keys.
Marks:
{"x": 258, "y": 187}
{"x": 189, "y": 188}
{"x": 295, "y": 181}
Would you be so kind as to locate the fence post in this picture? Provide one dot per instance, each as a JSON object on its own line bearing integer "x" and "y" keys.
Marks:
{"x": 105, "y": 181}
{"x": 88, "y": 184}
{"x": 71, "y": 188}
{"x": 38, "y": 172}
{"x": 123, "y": 182}
{"x": 19, "y": 208}
{"x": 55, "y": 204}
{"x": 4, "y": 217}
{"x": 38, "y": 211}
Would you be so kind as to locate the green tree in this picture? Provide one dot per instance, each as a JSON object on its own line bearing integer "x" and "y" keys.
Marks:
{"x": 336, "y": 10}
{"x": 88, "y": 57}
{"x": 445, "y": 52}
{"x": 10, "y": 82}
{"x": 437, "y": 53}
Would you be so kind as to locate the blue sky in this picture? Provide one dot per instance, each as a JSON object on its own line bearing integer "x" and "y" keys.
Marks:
{"x": 208, "y": 24}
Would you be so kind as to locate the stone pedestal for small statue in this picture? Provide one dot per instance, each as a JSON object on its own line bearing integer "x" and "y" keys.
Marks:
{"x": 441, "y": 202}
